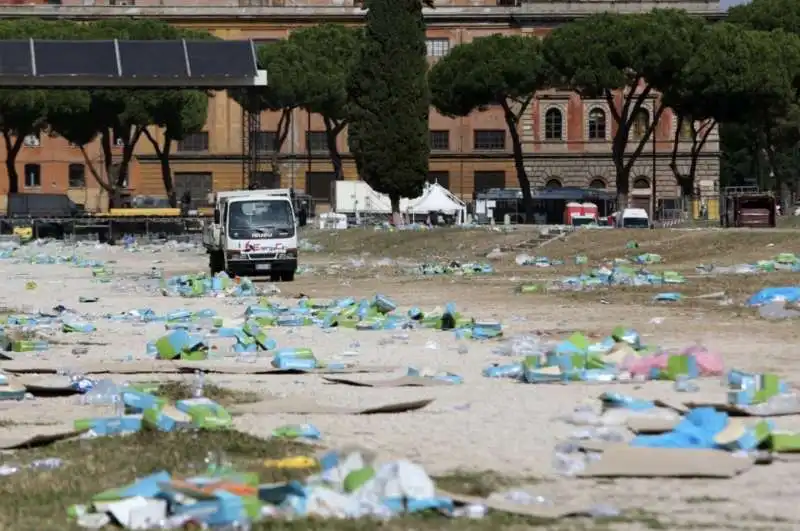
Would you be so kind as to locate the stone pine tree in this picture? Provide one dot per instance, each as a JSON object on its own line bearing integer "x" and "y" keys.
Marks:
{"x": 389, "y": 101}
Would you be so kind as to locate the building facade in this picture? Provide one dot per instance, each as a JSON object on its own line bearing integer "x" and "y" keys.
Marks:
{"x": 567, "y": 140}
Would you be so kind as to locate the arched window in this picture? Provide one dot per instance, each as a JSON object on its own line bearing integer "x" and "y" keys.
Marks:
{"x": 598, "y": 184}
{"x": 641, "y": 121}
{"x": 641, "y": 183}
{"x": 597, "y": 124}
{"x": 553, "y": 124}
{"x": 553, "y": 183}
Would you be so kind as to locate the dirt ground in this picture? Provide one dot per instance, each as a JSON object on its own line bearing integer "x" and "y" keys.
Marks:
{"x": 484, "y": 424}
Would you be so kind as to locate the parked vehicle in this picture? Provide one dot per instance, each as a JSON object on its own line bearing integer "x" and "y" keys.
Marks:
{"x": 630, "y": 218}
{"x": 253, "y": 232}
{"x": 577, "y": 214}
{"x": 748, "y": 208}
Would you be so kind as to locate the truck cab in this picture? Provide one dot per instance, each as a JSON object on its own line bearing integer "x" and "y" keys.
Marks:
{"x": 579, "y": 214}
{"x": 253, "y": 232}
{"x": 631, "y": 218}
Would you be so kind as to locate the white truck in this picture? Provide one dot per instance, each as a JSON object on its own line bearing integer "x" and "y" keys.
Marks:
{"x": 254, "y": 232}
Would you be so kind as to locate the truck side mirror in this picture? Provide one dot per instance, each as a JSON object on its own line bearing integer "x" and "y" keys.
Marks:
{"x": 216, "y": 216}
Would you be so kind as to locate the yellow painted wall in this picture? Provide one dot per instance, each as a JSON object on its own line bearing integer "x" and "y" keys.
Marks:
{"x": 227, "y": 174}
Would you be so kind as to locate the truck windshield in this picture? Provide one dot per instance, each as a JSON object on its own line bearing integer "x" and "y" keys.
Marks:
{"x": 577, "y": 222}
{"x": 260, "y": 219}
{"x": 635, "y": 223}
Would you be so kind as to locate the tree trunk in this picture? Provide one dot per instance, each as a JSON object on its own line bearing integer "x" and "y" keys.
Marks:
{"x": 12, "y": 150}
{"x": 624, "y": 118}
{"x": 108, "y": 163}
{"x": 699, "y": 138}
{"x": 623, "y": 175}
{"x": 332, "y": 131}
{"x": 166, "y": 173}
{"x": 621, "y": 171}
{"x": 397, "y": 216}
{"x": 780, "y": 182}
{"x": 280, "y": 137}
{"x": 512, "y": 121}
{"x": 93, "y": 170}
{"x": 686, "y": 185}
{"x": 163, "y": 154}
{"x": 13, "y": 178}
{"x": 129, "y": 144}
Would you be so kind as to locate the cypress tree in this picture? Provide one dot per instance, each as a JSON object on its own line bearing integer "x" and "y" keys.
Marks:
{"x": 389, "y": 101}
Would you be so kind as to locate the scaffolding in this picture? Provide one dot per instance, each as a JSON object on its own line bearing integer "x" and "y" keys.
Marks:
{"x": 253, "y": 159}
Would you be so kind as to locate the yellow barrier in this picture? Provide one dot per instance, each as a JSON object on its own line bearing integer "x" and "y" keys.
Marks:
{"x": 23, "y": 233}
{"x": 141, "y": 213}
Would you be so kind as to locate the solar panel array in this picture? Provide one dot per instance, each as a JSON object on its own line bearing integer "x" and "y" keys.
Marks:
{"x": 190, "y": 60}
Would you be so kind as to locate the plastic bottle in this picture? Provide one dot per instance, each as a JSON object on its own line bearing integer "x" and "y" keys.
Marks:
{"x": 568, "y": 460}
{"x": 199, "y": 384}
{"x": 513, "y": 371}
{"x": 684, "y": 384}
{"x": 104, "y": 393}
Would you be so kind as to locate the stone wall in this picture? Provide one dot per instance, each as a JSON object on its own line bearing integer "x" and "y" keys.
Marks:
{"x": 581, "y": 170}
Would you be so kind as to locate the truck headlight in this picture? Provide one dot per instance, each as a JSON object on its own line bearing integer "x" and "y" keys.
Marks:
{"x": 291, "y": 253}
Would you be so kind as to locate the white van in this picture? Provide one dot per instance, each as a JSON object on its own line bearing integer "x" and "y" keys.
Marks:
{"x": 632, "y": 218}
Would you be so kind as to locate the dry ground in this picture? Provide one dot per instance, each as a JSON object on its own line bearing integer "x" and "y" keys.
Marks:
{"x": 480, "y": 426}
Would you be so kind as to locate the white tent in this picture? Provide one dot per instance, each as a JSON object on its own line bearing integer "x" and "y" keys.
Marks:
{"x": 437, "y": 198}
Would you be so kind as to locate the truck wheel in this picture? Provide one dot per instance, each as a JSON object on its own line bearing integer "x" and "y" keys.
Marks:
{"x": 287, "y": 276}
{"x": 274, "y": 277}
{"x": 216, "y": 262}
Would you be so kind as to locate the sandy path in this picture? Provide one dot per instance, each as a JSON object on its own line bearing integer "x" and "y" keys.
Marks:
{"x": 480, "y": 425}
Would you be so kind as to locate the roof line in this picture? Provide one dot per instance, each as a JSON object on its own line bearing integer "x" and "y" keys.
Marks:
{"x": 533, "y": 12}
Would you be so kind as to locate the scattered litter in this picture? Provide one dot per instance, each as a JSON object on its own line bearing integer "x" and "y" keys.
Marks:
{"x": 620, "y": 357}
{"x": 455, "y": 268}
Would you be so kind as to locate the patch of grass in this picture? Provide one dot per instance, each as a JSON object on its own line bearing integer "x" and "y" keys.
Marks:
{"x": 479, "y": 483}
{"x": 644, "y": 519}
{"x": 224, "y": 396}
{"x": 34, "y": 500}
{"x": 37, "y": 499}
{"x": 706, "y": 499}
{"x": 442, "y": 243}
{"x": 8, "y": 423}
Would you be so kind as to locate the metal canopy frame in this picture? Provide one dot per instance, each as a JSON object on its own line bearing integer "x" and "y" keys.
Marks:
{"x": 184, "y": 63}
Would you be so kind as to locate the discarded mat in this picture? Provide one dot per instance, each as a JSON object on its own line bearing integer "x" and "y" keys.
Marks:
{"x": 539, "y": 510}
{"x": 173, "y": 367}
{"x": 647, "y": 425}
{"x": 403, "y": 381}
{"x": 789, "y": 408}
{"x": 304, "y": 406}
{"x": 10, "y": 441}
{"x": 622, "y": 461}
{"x": 51, "y": 387}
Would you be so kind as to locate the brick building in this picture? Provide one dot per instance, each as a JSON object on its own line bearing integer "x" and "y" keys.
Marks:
{"x": 567, "y": 140}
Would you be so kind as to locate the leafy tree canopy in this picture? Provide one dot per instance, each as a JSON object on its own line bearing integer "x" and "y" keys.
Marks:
{"x": 25, "y": 112}
{"x": 496, "y": 70}
{"x": 610, "y": 51}
{"x": 327, "y": 54}
{"x": 735, "y": 73}
{"x": 767, "y": 15}
{"x": 603, "y": 55}
{"x": 488, "y": 71}
{"x": 390, "y": 101}
{"x": 279, "y": 59}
